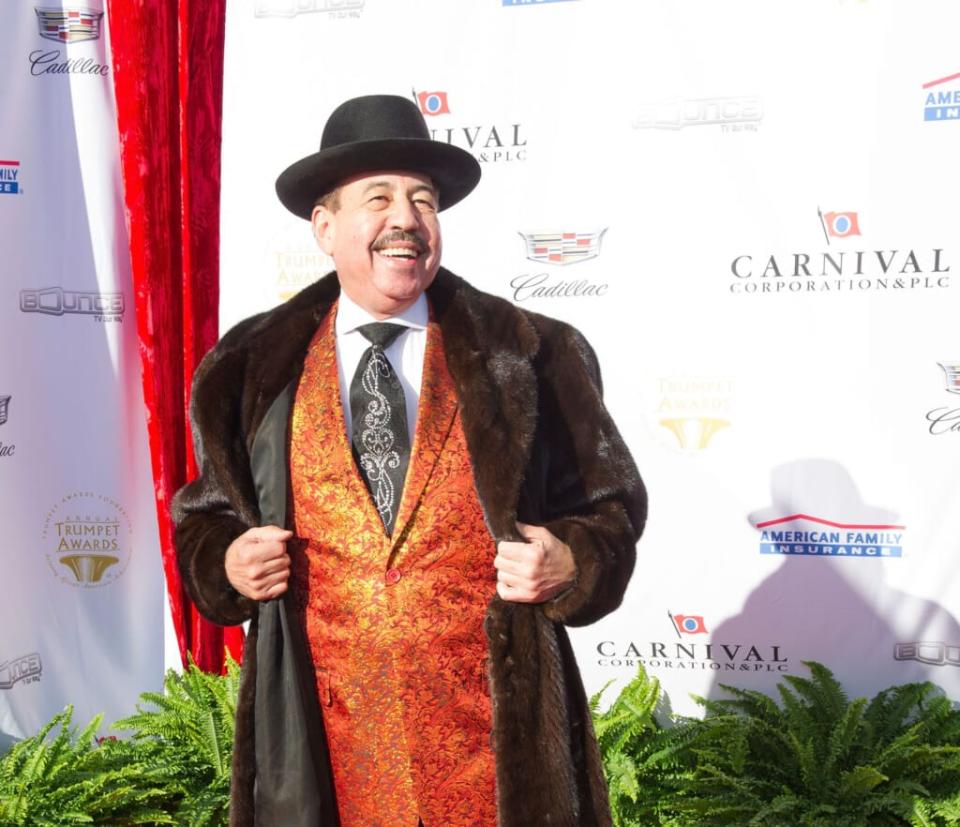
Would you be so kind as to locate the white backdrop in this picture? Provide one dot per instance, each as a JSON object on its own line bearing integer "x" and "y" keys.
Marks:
{"x": 81, "y": 610}
{"x": 767, "y": 195}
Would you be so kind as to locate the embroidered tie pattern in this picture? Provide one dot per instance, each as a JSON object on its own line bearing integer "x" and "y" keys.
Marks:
{"x": 381, "y": 440}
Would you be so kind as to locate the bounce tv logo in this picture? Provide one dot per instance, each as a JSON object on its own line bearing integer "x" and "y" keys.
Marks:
{"x": 691, "y": 652}
{"x": 941, "y": 99}
{"x": 488, "y": 142}
{"x": 803, "y": 535}
{"x": 839, "y": 267}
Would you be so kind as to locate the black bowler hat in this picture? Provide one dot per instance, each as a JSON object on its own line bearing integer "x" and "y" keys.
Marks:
{"x": 376, "y": 132}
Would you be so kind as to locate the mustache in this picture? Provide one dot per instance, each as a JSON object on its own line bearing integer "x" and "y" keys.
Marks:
{"x": 394, "y": 236}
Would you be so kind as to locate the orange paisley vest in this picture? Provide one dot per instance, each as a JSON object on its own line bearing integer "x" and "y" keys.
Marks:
{"x": 395, "y": 625}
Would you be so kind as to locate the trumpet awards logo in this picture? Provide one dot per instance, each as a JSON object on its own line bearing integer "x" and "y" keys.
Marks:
{"x": 945, "y": 419}
{"x": 24, "y": 669}
{"x": 694, "y": 409}
{"x": 88, "y": 540}
{"x": 803, "y": 535}
{"x": 295, "y": 260}
{"x": 942, "y": 103}
{"x": 838, "y": 271}
{"x": 682, "y": 654}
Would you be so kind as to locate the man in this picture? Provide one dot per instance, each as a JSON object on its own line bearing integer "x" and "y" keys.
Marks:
{"x": 407, "y": 513}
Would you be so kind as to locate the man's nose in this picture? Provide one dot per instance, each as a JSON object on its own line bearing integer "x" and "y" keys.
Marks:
{"x": 404, "y": 215}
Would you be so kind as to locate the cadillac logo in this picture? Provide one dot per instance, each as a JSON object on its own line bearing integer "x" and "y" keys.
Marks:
{"x": 562, "y": 248}
{"x": 952, "y": 372}
{"x": 69, "y": 25}
{"x": 4, "y": 408}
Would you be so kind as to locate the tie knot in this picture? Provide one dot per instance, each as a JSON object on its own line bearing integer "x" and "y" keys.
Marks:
{"x": 381, "y": 334}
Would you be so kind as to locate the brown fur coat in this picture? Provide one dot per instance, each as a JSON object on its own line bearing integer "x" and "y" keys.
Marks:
{"x": 543, "y": 450}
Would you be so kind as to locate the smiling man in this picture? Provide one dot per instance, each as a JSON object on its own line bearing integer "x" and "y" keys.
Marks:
{"x": 408, "y": 487}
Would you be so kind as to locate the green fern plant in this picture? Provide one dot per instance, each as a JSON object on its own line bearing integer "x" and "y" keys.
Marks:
{"x": 66, "y": 779}
{"x": 818, "y": 759}
{"x": 186, "y": 733}
{"x": 644, "y": 763}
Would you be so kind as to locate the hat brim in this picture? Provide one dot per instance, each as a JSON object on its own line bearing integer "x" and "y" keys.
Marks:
{"x": 454, "y": 171}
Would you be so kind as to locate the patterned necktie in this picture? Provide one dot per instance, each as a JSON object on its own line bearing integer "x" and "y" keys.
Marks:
{"x": 381, "y": 441}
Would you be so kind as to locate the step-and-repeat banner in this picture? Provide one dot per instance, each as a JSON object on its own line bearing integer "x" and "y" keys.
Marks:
{"x": 81, "y": 605}
{"x": 750, "y": 210}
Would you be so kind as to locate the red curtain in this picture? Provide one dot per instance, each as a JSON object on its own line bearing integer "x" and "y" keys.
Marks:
{"x": 168, "y": 78}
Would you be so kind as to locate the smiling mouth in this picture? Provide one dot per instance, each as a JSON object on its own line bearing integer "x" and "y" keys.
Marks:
{"x": 399, "y": 252}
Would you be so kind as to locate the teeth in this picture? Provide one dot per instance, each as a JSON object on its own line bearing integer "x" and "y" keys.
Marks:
{"x": 401, "y": 252}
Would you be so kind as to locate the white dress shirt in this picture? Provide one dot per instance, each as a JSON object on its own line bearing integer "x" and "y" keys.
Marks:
{"x": 405, "y": 352}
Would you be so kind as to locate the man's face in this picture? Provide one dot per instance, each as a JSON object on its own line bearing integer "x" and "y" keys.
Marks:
{"x": 384, "y": 238}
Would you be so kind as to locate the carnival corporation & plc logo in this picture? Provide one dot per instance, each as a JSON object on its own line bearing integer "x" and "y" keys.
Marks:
{"x": 840, "y": 270}
{"x": 69, "y": 25}
{"x": 685, "y": 654}
{"x": 489, "y": 143}
{"x": 945, "y": 419}
{"x": 88, "y": 540}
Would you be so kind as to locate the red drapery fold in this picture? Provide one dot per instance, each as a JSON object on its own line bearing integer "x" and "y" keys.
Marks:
{"x": 168, "y": 79}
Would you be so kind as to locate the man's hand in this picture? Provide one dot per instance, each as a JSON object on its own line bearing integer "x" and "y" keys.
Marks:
{"x": 534, "y": 571}
{"x": 257, "y": 562}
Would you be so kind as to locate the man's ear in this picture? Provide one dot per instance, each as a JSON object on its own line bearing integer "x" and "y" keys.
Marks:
{"x": 323, "y": 228}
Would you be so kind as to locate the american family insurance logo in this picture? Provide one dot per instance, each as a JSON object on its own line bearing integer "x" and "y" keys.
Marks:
{"x": 941, "y": 99}
{"x": 742, "y": 113}
{"x": 801, "y": 535}
{"x": 945, "y": 419}
{"x": 292, "y": 8}
{"x": 10, "y": 178}
{"x": 839, "y": 268}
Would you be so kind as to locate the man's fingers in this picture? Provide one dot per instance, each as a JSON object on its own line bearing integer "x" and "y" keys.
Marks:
{"x": 266, "y": 533}
{"x": 520, "y": 552}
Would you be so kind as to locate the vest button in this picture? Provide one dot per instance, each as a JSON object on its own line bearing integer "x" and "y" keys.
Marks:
{"x": 393, "y": 576}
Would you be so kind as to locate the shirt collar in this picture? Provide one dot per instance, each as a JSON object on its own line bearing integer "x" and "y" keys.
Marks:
{"x": 351, "y": 315}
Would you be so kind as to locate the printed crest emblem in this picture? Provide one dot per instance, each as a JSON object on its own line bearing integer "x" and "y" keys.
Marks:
{"x": 563, "y": 248}
{"x": 69, "y": 25}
